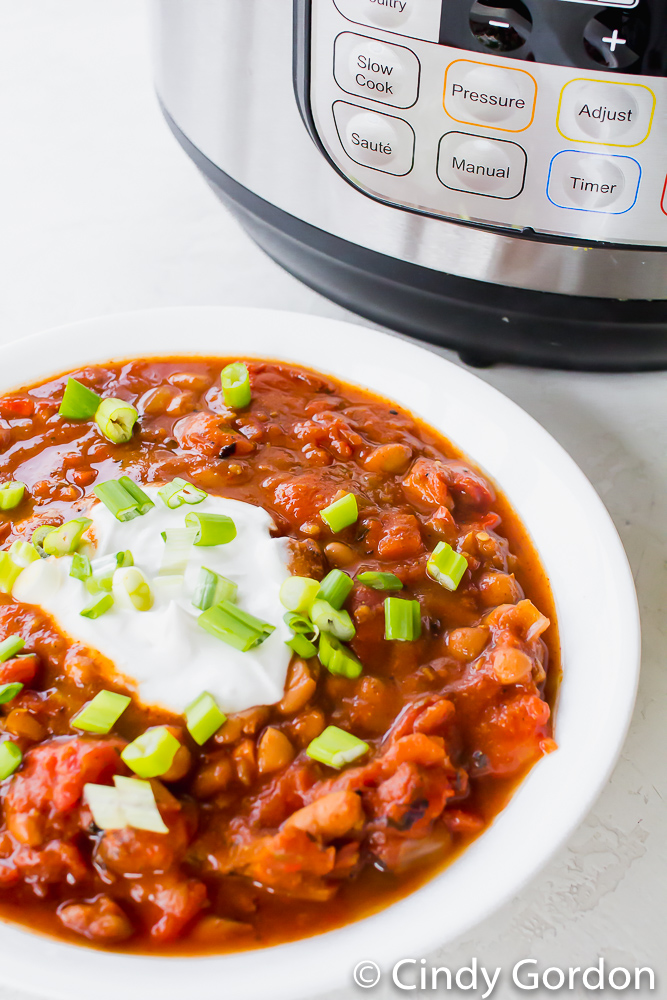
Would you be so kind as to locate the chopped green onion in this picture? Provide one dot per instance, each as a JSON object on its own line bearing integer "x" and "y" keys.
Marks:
{"x": 9, "y": 573}
{"x": 336, "y": 748}
{"x": 180, "y": 491}
{"x": 102, "y": 713}
{"x": 103, "y": 570}
{"x": 235, "y": 380}
{"x": 79, "y": 402}
{"x": 131, "y": 589}
{"x": 125, "y": 558}
{"x": 23, "y": 553}
{"x": 137, "y": 802}
{"x": 380, "y": 581}
{"x": 213, "y": 529}
{"x": 11, "y": 495}
{"x": 105, "y": 805}
{"x": 38, "y": 536}
{"x": 10, "y": 758}
{"x": 337, "y": 659}
{"x": 10, "y": 646}
{"x": 143, "y": 501}
{"x": 301, "y": 625}
{"x": 9, "y": 691}
{"x": 116, "y": 498}
{"x": 446, "y": 566}
{"x": 297, "y": 593}
{"x": 98, "y": 606}
{"x": 177, "y": 551}
{"x": 341, "y": 513}
{"x": 203, "y": 718}
{"x": 116, "y": 419}
{"x": 152, "y": 753}
{"x": 213, "y": 588}
{"x": 80, "y": 568}
{"x": 65, "y": 540}
{"x": 237, "y": 628}
{"x": 402, "y": 619}
{"x": 332, "y": 620}
{"x": 302, "y": 646}
{"x": 335, "y": 588}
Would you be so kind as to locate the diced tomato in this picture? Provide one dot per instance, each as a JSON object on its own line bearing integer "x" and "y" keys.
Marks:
{"x": 16, "y": 406}
{"x": 401, "y": 537}
{"x": 20, "y": 670}
{"x": 509, "y": 734}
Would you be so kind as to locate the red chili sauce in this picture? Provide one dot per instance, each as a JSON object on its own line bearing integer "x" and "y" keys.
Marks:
{"x": 266, "y": 845}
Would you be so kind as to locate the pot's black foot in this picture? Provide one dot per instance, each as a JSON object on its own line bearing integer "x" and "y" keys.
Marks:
{"x": 475, "y": 359}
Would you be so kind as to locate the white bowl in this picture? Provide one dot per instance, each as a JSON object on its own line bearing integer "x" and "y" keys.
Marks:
{"x": 597, "y": 616}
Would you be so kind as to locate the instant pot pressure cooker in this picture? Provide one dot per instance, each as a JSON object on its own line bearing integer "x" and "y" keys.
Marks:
{"x": 487, "y": 176}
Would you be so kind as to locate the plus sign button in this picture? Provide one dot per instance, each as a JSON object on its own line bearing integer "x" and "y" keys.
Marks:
{"x": 616, "y": 39}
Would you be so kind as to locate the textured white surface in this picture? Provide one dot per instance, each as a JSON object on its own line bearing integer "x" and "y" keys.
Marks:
{"x": 102, "y": 212}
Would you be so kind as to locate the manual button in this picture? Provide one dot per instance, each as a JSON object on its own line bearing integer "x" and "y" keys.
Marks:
{"x": 374, "y": 140}
{"x": 593, "y": 182}
{"x": 604, "y": 113}
{"x": 494, "y": 96}
{"x": 376, "y": 70}
{"x": 495, "y": 168}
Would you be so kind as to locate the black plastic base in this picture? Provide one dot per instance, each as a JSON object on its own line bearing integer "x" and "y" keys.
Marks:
{"x": 485, "y": 323}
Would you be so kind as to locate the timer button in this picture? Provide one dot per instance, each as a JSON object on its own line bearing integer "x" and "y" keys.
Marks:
{"x": 593, "y": 182}
{"x": 497, "y": 97}
{"x": 374, "y": 140}
{"x": 604, "y": 113}
{"x": 376, "y": 70}
{"x": 495, "y": 168}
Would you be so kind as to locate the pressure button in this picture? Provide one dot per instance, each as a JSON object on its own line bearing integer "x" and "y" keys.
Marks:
{"x": 606, "y": 113}
{"x": 493, "y": 96}
{"x": 376, "y": 70}
{"x": 381, "y": 142}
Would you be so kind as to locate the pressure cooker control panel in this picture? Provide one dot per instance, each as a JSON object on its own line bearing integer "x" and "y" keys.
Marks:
{"x": 470, "y": 111}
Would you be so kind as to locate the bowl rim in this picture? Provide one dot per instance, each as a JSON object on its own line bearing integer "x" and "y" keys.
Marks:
{"x": 402, "y": 370}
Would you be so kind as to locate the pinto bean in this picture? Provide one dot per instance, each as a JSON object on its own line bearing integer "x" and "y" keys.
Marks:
{"x": 22, "y": 723}
{"x": 213, "y": 776}
{"x": 466, "y": 644}
{"x": 388, "y": 458}
{"x": 299, "y": 690}
{"x": 182, "y": 761}
{"x": 274, "y": 751}
{"x": 307, "y": 726}
{"x": 245, "y": 760}
{"x": 498, "y": 588}
{"x": 102, "y": 920}
{"x": 328, "y": 817}
{"x": 511, "y": 666}
{"x": 339, "y": 554}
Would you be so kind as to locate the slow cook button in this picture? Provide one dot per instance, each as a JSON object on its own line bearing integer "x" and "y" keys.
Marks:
{"x": 376, "y": 70}
{"x": 415, "y": 18}
{"x": 609, "y": 114}
{"x": 593, "y": 182}
{"x": 495, "y": 168}
{"x": 494, "y": 96}
{"x": 375, "y": 140}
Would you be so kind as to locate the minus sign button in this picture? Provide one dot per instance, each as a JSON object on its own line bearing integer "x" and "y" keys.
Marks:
{"x": 499, "y": 24}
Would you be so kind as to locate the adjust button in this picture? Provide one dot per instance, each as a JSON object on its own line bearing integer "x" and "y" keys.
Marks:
{"x": 376, "y": 70}
{"x": 379, "y": 141}
{"x": 477, "y": 93}
{"x": 606, "y": 114}
{"x": 415, "y": 18}
{"x": 593, "y": 182}
{"x": 492, "y": 167}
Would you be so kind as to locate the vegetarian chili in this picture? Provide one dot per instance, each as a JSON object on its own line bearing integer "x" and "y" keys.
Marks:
{"x": 265, "y": 841}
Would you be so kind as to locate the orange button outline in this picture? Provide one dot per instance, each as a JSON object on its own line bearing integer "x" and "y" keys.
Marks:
{"x": 613, "y": 83}
{"x": 496, "y": 128}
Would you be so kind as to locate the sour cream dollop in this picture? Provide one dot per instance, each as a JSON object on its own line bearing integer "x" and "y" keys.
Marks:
{"x": 163, "y": 652}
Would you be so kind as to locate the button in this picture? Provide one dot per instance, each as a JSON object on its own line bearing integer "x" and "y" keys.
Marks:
{"x": 376, "y": 70}
{"x": 379, "y": 141}
{"x": 607, "y": 114}
{"x": 492, "y": 167}
{"x": 495, "y": 96}
{"x": 593, "y": 182}
{"x": 610, "y": 3}
{"x": 616, "y": 39}
{"x": 414, "y": 18}
{"x": 501, "y": 27}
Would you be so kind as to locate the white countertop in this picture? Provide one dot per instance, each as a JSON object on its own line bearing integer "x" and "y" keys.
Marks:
{"x": 102, "y": 212}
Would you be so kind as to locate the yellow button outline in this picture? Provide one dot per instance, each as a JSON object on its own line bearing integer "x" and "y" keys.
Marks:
{"x": 611, "y": 83}
{"x": 496, "y": 128}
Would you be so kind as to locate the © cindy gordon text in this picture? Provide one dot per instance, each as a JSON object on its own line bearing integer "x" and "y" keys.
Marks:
{"x": 415, "y": 974}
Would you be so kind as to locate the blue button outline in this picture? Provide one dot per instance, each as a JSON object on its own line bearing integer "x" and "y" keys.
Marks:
{"x": 608, "y": 156}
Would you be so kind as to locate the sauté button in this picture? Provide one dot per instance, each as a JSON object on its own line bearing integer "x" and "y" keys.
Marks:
{"x": 379, "y": 141}
{"x": 414, "y": 18}
{"x": 376, "y": 70}
{"x": 495, "y": 168}
{"x": 494, "y": 96}
{"x": 606, "y": 113}
{"x": 593, "y": 182}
